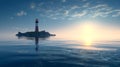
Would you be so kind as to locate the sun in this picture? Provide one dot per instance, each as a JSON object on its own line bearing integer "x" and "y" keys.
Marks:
{"x": 88, "y": 33}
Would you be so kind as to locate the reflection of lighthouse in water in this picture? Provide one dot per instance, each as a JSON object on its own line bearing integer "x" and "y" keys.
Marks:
{"x": 36, "y": 43}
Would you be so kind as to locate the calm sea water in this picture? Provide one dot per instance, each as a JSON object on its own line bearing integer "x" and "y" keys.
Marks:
{"x": 34, "y": 52}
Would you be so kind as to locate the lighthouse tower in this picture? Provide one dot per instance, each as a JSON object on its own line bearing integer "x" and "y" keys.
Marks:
{"x": 36, "y": 26}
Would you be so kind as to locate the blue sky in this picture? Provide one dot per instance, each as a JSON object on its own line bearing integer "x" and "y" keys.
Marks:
{"x": 19, "y": 15}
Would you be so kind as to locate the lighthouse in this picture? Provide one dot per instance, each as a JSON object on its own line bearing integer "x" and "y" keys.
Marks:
{"x": 36, "y": 26}
{"x": 36, "y": 33}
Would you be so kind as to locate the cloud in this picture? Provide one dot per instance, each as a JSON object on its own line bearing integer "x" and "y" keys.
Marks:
{"x": 102, "y": 14}
{"x": 80, "y": 14}
{"x": 86, "y": 5}
{"x": 66, "y": 12}
{"x": 63, "y": 0}
{"x": 101, "y": 10}
{"x": 33, "y": 5}
{"x": 22, "y": 13}
{"x": 73, "y": 10}
{"x": 117, "y": 13}
{"x": 99, "y": 6}
{"x": 74, "y": 7}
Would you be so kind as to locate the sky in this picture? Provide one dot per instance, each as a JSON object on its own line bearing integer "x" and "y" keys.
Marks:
{"x": 60, "y": 16}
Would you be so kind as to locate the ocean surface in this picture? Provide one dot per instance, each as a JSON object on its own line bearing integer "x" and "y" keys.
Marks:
{"x": 50, "y": 52}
